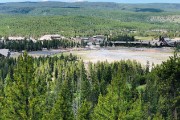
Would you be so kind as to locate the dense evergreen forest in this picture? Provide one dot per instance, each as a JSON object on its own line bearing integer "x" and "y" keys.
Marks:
{"x": 70, "y": 26}
{"x": 86, "y": 19}
{"x": 66, "y": 88}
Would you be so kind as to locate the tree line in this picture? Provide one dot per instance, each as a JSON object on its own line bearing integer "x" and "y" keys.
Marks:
{"x": 29, "y": 45}
{"x": 66, "y": 88}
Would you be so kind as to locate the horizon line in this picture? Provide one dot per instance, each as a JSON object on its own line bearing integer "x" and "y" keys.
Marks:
{"x": 94, "y": 2}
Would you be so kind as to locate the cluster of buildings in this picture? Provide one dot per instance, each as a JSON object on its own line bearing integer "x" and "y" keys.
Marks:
{"x": 97, "y": 39}
{"x": 93, "y": 41}
{"x": 51, "y": 37}
{"x": 56, "y": 37}
{"x": 89, "y": 40}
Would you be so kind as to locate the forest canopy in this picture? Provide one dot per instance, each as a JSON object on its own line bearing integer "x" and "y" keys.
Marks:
{"x": 87, "y": 18}
{"x": 65, "y": 88}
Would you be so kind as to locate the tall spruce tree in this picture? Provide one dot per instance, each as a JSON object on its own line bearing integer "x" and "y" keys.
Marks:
{"x": 19, "y": 92}
{"x": 169, "y": 87}
{"x": 84, "y": 111}
{"x": 62, "y": 109}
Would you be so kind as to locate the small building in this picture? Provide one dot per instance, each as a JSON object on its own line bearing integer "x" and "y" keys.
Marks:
{"x": 76, "y": 39}
{"x": 85, "y": 39}
{"x": 170, "y": 42}
{"x": 167, "y": 39}
{"x": 16, "y": 38}
{"x": 4, "y": 52}
{"x": 51, "y": 37}
{"x": 99, "y": 38}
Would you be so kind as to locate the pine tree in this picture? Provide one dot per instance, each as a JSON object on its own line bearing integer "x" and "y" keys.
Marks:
{"x": 110, "y": 105}
{"x": 169, "y": 85}
{"x": 19, "y": 92}
{"x": 85, "y": 86}
{"x": 158, "y": 116}
{"x": 84, "y": 111}
{"x": 134, "y": 112}
{"x": 62, "y": 109}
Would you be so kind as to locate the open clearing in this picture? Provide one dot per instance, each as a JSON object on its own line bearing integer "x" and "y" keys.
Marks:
{"x": 142, "y": 55}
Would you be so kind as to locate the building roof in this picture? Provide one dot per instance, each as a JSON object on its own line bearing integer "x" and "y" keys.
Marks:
{"x": 99, "y": 36}
{"x": 16, "y": 38}
{"x": 4, "y": 52}
{"x": 50, "y": 37}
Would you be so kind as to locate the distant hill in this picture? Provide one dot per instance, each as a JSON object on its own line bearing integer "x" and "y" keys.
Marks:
{"x": 115, "y": 11}
{"x": 85, "y": 18}
{"x": 36, "y": 7}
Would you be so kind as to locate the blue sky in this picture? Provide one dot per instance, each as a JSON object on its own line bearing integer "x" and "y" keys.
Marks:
{"x": 119, "y": 1}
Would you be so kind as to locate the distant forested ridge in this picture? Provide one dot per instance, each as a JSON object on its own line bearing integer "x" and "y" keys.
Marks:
{"x": 65, "y": 88}
{"x": 71, "y": 26}
{"x": 35, "y": 7}
{"x": 88, "y": 18}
